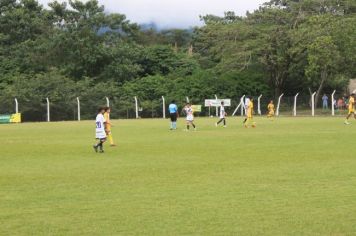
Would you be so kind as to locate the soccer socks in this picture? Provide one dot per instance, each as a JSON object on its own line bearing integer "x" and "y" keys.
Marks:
{"x": 111, "y": 140}
{"x": 173, "y": 125}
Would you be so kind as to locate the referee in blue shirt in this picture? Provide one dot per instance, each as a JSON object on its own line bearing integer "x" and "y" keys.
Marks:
{"x": 173, "y": 113}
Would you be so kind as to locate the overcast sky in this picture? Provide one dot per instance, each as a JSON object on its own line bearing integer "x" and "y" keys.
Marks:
{"x": 174, "y": 13}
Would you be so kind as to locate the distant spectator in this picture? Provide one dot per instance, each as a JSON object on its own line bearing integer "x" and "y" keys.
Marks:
{"x": 325, "y": 101}
{"x": 340, "y": 104}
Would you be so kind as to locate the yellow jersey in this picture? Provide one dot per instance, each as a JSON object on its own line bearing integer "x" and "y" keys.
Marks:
{"x": 108, "y": 123}
{"x": 351, "y": 104}
{"x": 270, "y": 107}
{"x": 250, "y": 109}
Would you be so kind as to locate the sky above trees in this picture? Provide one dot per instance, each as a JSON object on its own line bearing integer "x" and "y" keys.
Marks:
{"x": 174, "y": 13}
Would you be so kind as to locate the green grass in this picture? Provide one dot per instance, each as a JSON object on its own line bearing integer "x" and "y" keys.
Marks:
{"x": 293, "y": 176}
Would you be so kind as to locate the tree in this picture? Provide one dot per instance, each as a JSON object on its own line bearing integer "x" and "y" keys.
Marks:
{"x": 323, "y": 59}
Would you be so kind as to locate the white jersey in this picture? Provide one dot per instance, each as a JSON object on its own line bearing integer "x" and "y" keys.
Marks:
{"x": 189, "y": 112}
{"x": 100, "y": 126}
{"x": 222, "y": 112}
{"x": 247, "y": 102}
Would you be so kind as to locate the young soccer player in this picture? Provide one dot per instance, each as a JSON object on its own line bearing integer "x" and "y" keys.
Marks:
{"x": 100, "y": 130}
{"x": 270, "y": 108}
{"x": 247, "y": 102}
{"x": 173, "y": 113}
{"x": 222, "y": 115}
{"x": 249, "y": 120}
{"x": 108, "y": 126}
{"x": 351, "y": 109}
{"x": 190, "y": 116}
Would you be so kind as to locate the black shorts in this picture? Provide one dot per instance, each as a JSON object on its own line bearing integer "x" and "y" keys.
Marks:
{"x": 173, "y": 117}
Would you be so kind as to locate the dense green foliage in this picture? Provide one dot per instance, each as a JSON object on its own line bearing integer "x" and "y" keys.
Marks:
{"x": 287, "y": 177}
{"x": 285, "y": 46}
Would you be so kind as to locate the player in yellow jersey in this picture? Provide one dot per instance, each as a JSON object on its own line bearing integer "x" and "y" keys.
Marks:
{"x": 249, "y": 118}
{"x": 108, "y": 126}
{"x": 351, "y": 109}
{"x": 270, "y": 108}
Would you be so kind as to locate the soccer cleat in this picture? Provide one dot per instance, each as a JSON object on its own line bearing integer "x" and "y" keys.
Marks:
{"x": 225, "y": 126}
{"x": 101, "y": 151}
{"x": 113, "y": 145}
{"x": 346, "y": 122}
{"x": 95, "y": 148}
{"x": 216, "y": 124}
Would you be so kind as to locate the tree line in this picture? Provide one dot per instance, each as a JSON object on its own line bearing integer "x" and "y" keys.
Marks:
{"x": 76, "y": 49}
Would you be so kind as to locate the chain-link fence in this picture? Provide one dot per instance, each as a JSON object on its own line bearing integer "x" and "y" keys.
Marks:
{"x": 126, "y": 108}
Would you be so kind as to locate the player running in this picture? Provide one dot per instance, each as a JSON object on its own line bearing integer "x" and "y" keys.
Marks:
{"x": 100, "y": 130}
{"x": 351, "y": 109}
{"x": 249, "y": 119}
{"x": 173, "y": 113}
{"x": 222, "y": 115}
{"x": 270, "y": 108}
{"x": 108, "y": 126}
{"x": 188, "y": 110}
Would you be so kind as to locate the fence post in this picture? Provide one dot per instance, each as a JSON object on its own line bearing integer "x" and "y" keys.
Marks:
{"x": 78, "y": 104}
{"x": 313, "y": 103}
{"x": 259, "y": 105}
{"x": 332, "y": 103}
{"x": 243, "y": 105}
{"x": 48, "y": 111}
{"x": 238, "y": 106}
{"x": 164, "y": 107}
{"x": 279, "y": 103}
{"x": 216, "y": 106}
{"x": 295, "y": 105}
{"x": 136, "y": 106}
{"x": 107, "y": 102}
{"x": 16, "y": 106}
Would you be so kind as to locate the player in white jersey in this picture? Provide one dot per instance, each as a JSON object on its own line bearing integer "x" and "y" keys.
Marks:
{"x": 100, "y": 133}
{"x": 190, "y": 116}
{"x": 222, "y": 115}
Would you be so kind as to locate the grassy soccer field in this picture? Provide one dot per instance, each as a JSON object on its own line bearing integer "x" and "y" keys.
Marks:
{"x": 293, "y": 176}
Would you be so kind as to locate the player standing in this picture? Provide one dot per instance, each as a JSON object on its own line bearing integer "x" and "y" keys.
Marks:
{"x": 270, "y": 108}
{"x": 351, "y": 109}
{"x": 222, "y": 115}
{"x": 100, "y": 134}
{"x": 173, "y": 113}
{"x": 249, "y": 120}
{"x": 108, "y": 126}
{"x": 190, "y": 116}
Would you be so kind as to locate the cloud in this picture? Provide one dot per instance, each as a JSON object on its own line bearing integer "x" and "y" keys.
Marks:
{"x": 175, "y": 13}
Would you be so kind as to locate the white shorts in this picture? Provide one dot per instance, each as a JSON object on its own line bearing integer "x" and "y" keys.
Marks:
{"x": 100, "y": 134}
{"x": 190, "y": 118}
